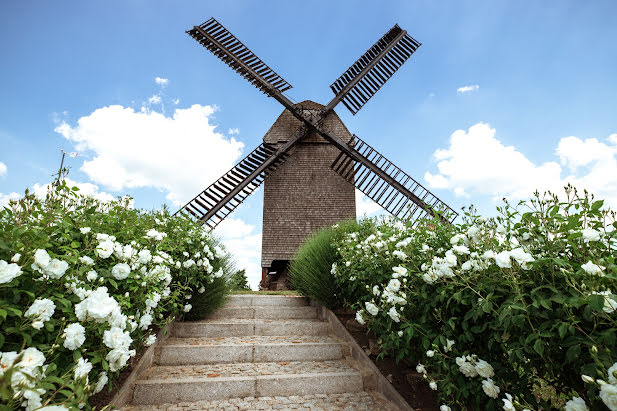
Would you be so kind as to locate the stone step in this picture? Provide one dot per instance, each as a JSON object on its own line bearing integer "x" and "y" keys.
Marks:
{"x": 178, "y": 351}
{"x": 250, "y": 300}
{"x": 162, "y": 385}
{"x": 360, "y": 401}
{"x": 264, "y": 312}
{"x": 239, "y": 327}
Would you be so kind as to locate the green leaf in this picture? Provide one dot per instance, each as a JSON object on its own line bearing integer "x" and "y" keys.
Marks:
{"x": 538, "y": 346}
{"x": 597, "y": 205}
{"x": 596, "y": 302}
{"x": 563, "y": 330}
{"x": 3, "y": 313}
{"x": 573, "y": 352}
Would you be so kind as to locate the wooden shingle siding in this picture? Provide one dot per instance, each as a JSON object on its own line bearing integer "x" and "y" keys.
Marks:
{"x": 304, "y": 194}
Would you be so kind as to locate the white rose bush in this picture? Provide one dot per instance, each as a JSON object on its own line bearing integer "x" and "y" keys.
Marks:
{"x": 514, "y": 312}
{"x": 84, "y": 288}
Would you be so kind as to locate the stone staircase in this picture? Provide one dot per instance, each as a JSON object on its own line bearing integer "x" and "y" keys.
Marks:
{"x": 256, "y": 352}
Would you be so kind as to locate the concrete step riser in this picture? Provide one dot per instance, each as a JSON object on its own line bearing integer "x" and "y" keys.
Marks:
{"x": 194, "y": 389}
{"x": 262, "y": 300}
{"x": 265, "y": 313}
{"x": 191, "y": 354}
{"x": 242, "y": 330}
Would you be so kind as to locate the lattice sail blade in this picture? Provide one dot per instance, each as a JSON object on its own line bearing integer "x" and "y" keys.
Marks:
{"x": 370, "y": 72}
{"x": 400, "y": 194}
{"x": 222, "y": 197}
{"x": 224, "y": 45}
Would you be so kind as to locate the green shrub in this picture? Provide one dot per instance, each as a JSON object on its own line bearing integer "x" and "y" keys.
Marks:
{"x": 498, "y": 312}
{"x": 311, "y": 269}
{"x": 83, "y": 284}
{"x": 238, "y": 281}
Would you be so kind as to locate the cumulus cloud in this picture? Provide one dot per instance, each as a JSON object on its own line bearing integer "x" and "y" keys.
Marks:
{"x": 233, "y": 131}
{"x": 161, "y": 81}
{"x": 155, "y": 99}
{"x": 3, "y": 169}
{"x": 365, "y": 206}
{"x": 477, "y": 163}
{"x": 245, "y": 244}
{"x": 5, "y": 198}
{"x": 85, "y": 189}
{"x": 466, "y": 89}
{"x": 179, "y": 154}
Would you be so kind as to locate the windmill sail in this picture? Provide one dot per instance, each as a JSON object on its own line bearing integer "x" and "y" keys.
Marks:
{"x": 371, "y": 71}
{"x": 223, "y": 196}
{"x": 224, "y": 45}
{"x": 392, "y": 188}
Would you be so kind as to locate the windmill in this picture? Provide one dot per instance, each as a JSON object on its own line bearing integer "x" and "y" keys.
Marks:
{"x": 309, "y": 161}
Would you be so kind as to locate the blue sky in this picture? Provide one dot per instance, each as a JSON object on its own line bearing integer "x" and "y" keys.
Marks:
{"x": 544, "y": 110}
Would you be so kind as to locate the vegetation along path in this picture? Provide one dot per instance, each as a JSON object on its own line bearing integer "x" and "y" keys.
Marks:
{"x": 256, "y": 352}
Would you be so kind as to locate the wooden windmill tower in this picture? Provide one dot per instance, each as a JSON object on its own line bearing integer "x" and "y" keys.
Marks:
{"x": 310, "y": 163}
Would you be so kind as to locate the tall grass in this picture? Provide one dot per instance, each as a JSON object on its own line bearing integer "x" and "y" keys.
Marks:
{"x": 310, "y": 270}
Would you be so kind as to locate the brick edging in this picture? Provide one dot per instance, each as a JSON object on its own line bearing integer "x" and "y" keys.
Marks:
{"x": 373, "y": 379}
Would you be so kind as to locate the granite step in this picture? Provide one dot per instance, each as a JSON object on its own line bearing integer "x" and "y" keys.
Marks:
{"x": 191, "y": 383}
{"x": 250, "y": 300}
{"x": 238, "y": 327}
{"x": 264, "y": 312}
{"x": 195, "y": 350}
{"x": 357, "y": 401}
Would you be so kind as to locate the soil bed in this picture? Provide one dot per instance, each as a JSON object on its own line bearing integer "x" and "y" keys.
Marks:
{"x": 403, "y": 376}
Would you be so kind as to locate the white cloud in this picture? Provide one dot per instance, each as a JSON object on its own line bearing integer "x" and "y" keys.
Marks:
{"x": 466, "y": 89}
{"x": 3, "y": 169}
{"x": 176, "y": 101}
{"x": 477, "y": 163}
{"x": 233, "y": 131}
{"x": 365, "y": 206}
{"x": 179, "y": 154}
{"x": 155, "y": 99}
{"x": 161, "y": 81}
{"x": 5, "y": 198}
{"x": 244, "y": 245}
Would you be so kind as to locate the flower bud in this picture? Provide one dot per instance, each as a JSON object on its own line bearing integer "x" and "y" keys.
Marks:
{"x": 594, "y": 349}
{"x": 600, "y": 382}
{"x": 587, "y": 378}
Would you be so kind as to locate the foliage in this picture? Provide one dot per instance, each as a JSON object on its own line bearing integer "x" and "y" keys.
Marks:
{"x": 208, "y": 300}
{"x": 83, "y": 284}
{"x": 238, "y": 280}
{"x": 498, "y": 312}
{"x": 310, "y": 271}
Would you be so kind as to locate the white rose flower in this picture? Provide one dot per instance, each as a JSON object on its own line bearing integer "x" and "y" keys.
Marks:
{"x": 507, "y": 403}
{"x": 467, "y": 369}
{"x": 458, "y": 238}
{"x": 117, "y": 338}
{"x": 15, "y": 258}
{"x": 521, "y": 256}
{"x": 371, "y": 308}
{"x": 460, "y": 249}
{"x": 219, "y": 273}
{"x": 433, "y": 385}
{"x": 448, "y": 346}
{"x": 484, "y": 369}
{"x": 421, "y": 369}
{"x": 450, "y": 258}
{"x": 8, "y": 272}
{"x": 503, "y": 259}
{"x": 612, "y": 374}
{"x": 144, "y": 256}
{"x": 376, "y": 290}
{"x": 86, "y": 260}
{"x": 219, "y": 252}
{"x": 82, "y": 369}
{"x": 150, "y": 340}
{"x": 444, "y": 407}
{"x": 576, "y": 404}
{"x": 100, "y": 384}
{"x": 145, "y": 321}
{"x": 41, "y": 310}
{"x": 430, "y": 353}
{"x": 41, "y": 260}
{"x": 56, "y": 268}
{"x": 188, "y": 263}
{"x": 591, "y": 268}
{"x": 120, "y": 271}
{"x": 589, "y": 234}
{"x": 201, "y": 289}
{"x": 74, "y": 336}
{"x": 34, "y": 400}
{"x": 187, "y": 308}
{"x": 399, "y": 254}
{"x": 31, "y": 357}
{"x": 92, "y": 275}
{"x": 400, "y": 333}
{"x": 105, "y": 249}
{"x": 608, "y": 394}
{"x": 401, "y": 271}
{"x": 117, "y": 358}
{"x": 490, "y": 388}
{"x": 85, "y": 230}
{"x": 360, "y": 318}
{"x": 97, "y": 306}
{"x": 394, "y": 314}
{"x": 394, "y": 285}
